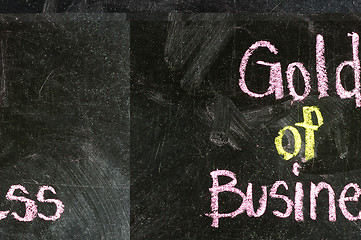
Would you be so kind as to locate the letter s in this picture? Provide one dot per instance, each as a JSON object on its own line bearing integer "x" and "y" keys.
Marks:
{"x": 31, "y": 208}
{"x": 58, "y": 203}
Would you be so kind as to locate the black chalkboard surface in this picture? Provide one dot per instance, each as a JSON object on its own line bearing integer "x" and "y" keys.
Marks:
{"x": 64, "y": 124}
{"x": 166, "y": 6}
{"x": 193, "y": 117}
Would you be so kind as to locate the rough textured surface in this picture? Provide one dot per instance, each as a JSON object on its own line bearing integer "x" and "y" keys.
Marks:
{"x": 265, "y": 6}
{"x": 190, "y": 117}
{"x": 64, "y": 122}
{"x": 179, "y": 135}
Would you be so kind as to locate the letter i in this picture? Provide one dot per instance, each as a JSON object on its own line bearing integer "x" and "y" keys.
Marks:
{"x": 298, "y": 195}
{"x": 299, "y": 202}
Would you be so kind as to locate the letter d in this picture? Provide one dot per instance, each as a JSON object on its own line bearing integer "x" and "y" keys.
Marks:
{"x": 355, "y": 64}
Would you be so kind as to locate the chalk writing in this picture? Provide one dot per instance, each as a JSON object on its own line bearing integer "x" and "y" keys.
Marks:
{"x": 309, "y": 134}
{"x": 31, "y": 209}
{"x": 297, "y": 205}
{"x": 275, "y": 86}
{"x": 30, "y": 206}
{"x": 355, "y": 64}
{"x": 275, "y": 77}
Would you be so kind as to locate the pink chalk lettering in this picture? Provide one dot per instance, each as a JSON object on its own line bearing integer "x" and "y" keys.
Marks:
{"x": 58, "y": 203}
{"x": 31, "y": 208}
{"x": 331, "y": 199}
{"x": 344, "y": 199}
{"x": 216, "y": 189}
{"x": 249, "y": 202}
{"x": 247, "y": 199}
{"x": 275, "y": 80}
{"x": 273, "y": 194}
{"x": 296, "y": 169}
{"x": 321, "y": 67}
{"x": 3, "y": 214}
{"x": 306, "y": 77}
{"x": 355, "y": 64}
{"x": 299, "y": 202}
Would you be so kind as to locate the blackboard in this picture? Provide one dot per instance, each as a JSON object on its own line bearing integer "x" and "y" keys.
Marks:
{"x": 64, "y": 123}
{"x": 184, "y": 6}
{"x": 191, "y": 117}
{"x": 95, "y": 105}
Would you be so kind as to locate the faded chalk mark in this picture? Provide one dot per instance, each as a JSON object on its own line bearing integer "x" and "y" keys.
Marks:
{"x": 47, "y": 78}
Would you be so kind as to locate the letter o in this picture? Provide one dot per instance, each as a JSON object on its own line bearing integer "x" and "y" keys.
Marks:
{"x": 278, "y": 142}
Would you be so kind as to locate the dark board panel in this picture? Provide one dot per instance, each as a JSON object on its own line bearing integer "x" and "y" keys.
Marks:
{"x": 190, "y": 117}
{"x": 165, "y": 6}
{"x": 64, "y": 123}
